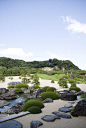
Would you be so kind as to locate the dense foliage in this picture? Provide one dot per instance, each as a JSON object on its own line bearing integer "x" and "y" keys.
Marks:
{"x": 45, "y": 88}
{"x": 31, "y": 103}
{"x": 18, "y": 90}
{"x": 36, "y": 87}
{"x": 63, "y": 83}
{"x": 10, "y": 63}
{"x": 21, "y": 86}
{"x": 83, "y": 95}
{"x": 52, "y": 81}
{"x": 34, "y": 110}
{"x": 72, "y": 112}
{"x": 10, "y": 86}
{"x": 49, "y": 94}
{"x": 75, "y": 88}
{"x": 51, "y": 89}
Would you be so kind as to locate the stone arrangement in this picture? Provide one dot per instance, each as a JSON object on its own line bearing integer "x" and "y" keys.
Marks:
{"x": 50, "y": 118}
{"x": 11, "y": 124}
{"x": 35, "y": 124}
{"x": 64, "y": 109}
{"x": 62, "y": 115}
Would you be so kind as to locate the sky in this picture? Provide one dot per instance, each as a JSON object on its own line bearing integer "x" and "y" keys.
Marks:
{"x": 43, "y": 29}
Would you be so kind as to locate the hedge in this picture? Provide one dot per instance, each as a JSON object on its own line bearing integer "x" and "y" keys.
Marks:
{"x": 49, "y": 94}
{"x": 31, "y": 103}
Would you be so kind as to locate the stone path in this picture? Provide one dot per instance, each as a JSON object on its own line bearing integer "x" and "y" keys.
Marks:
{"x": 13, "y": 116}
{"x": 11, "y": 124}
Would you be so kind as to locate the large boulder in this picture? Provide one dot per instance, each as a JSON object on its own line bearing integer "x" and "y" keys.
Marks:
{"x": 80, "y": 108}
{"x": 3, "y": 90}
{"x": 8, "y": 96}
{"x": 15, "y": 108}
{"x": 68, "y": 96}
{"x": 3, "y": 103}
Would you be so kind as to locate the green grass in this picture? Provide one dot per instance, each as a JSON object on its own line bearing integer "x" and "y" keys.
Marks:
{"x": 55, "y": 77}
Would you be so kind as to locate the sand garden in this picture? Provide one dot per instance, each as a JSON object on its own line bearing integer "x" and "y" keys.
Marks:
{"x": 74, "y": 122}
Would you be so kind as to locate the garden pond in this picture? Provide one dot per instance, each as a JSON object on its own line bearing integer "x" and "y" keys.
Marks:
{"x": 21, "y": 97}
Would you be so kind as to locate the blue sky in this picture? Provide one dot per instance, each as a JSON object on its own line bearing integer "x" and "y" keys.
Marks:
{"x": 43, "y": 29}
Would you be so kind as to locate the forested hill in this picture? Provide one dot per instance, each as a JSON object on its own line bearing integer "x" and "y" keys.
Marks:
{"x": 10, "y": 63}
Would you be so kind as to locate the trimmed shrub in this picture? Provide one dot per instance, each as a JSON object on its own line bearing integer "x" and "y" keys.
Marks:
{"x": 73, "y": 84}
{"x": 49, "y": 94}
{"x": 75, "y": 88}
{"x": 27, "y": 99}
{"x": 34, "y": 110}
{"x": 10, "y": 86}
{"x": 72, "y": 112}
{"x": 31, "y": 103}
{"x": 63, "y": 83}
{"x": 51, "y": 89}
{"x": 45, "y": 88}
{"x": 52, "y": 81}
{"x": 18, "y": 90}
{"x": 36, "y": 87}
{"x": 83, "y": 95}
{"x": 21, "y": 86}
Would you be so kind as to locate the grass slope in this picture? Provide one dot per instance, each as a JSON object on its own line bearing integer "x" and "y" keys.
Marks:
{"x": 55, "y": 77}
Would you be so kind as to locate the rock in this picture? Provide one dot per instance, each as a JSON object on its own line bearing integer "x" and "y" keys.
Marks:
{"x": 71, "y": 102}
{"x": 3, "y": 103}
{"x": 80, "y": 108}
{"x": 79, "y": 93}
{"x": 60, "y": 114}
{"x": 14, "y": 109}
{"x": 39, "y": 92}
{"x": 47, "y": 100}
{"x": 68, "y": 96}
{"x": 11, "y": 124}
{"x": 9, "y": 95}
{"x": 64, "y": 109}
{"x": 35, "y": 124}
{"x": 3, "y": 90}
{"x": 13, "y": 83}
{"x": 12, "y": 90}
{"x": 69, "y": 105}
{"x": 73, "y": 92}
{"x": 23, "y": 89}
{"x": 50, "y": 118}
{"x": 27, "y": 92}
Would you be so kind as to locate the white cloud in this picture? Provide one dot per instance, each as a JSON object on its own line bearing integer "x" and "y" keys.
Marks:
{"x": 15, "y": 53}
{"x": 2, "y": 44}
{"x": 74, "y": 25}
{"x": 56, "y": 56}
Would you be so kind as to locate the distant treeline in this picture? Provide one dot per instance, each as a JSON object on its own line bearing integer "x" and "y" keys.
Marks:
{"x": 10, "y": 63}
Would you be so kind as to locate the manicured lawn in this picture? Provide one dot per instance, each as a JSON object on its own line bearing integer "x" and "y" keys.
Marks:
{"x": 55, "y": 77}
